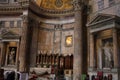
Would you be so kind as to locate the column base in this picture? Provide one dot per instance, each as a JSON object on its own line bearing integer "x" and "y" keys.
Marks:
{"x": 23, "y": 76}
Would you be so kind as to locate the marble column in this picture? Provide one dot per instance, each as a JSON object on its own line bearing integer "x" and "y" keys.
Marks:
{"x": 23, "y": 46}
{"x": 92, "y": 63}
{"x": 78, "y": 48}
{"x": 115, "y": 48}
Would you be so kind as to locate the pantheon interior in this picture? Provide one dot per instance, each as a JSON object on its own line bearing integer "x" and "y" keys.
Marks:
{"x": 73, "y": 38}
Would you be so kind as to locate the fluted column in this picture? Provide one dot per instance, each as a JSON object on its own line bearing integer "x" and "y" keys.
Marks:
{"x": 115, "y": 48}
{"x": 23, "y": 46}
{"x": 77, "y": 65}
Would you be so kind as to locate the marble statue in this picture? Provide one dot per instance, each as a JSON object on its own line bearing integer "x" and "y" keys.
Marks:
{"x": 108, "y": 51}
{"x": 11, "y": 56}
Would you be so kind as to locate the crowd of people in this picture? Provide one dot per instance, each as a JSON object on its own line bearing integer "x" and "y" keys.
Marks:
{"x": 99, "y": 77}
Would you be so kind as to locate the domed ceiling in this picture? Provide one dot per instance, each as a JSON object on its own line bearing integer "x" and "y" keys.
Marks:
{"x": 55, "y": 4}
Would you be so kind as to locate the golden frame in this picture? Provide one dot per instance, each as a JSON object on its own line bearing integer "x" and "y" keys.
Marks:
{"x": 69, "y": 41}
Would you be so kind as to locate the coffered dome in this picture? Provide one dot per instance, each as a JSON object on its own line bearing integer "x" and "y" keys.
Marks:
{"x": 60, "y": 5}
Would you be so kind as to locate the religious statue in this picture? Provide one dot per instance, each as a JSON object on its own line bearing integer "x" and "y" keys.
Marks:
{"x": 108, "y": 51}
{"x": 12, "y": 56}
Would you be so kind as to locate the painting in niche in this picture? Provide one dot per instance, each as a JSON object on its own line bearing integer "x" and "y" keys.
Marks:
{"x": 69, "y": 40}
{"x": 12, "y": 55}
{"x": 107, "y": 57}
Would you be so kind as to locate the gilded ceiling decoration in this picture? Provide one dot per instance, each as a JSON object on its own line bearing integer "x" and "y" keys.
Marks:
{"x": 55, "y": 4}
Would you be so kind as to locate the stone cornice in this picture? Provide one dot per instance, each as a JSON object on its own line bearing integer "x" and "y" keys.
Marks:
{"x": 17, "y": 7}
{"x": 11, "y": 9}
{"x": 51, "y": 21}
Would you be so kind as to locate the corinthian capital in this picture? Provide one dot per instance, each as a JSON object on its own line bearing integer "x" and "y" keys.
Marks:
{"x": 77, "y": 4}
{"x": 24, "y": 18}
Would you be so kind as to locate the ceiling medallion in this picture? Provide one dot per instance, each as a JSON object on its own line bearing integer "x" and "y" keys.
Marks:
{"x": 58, "y": 3}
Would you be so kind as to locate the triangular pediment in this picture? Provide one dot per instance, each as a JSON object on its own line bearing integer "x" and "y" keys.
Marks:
{"x": 100, "y": 18}
{"x": 10, "y": 35}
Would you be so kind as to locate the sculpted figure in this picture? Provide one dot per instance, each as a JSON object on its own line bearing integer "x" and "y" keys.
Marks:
{"x": 108, "y": 54}
{"x": 11, "y": 56}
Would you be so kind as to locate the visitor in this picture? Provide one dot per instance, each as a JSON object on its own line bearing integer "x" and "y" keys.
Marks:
{"x": 105, "y": 78}
{"x": 87, "y": 77}
{"x": 110, "y": 77}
